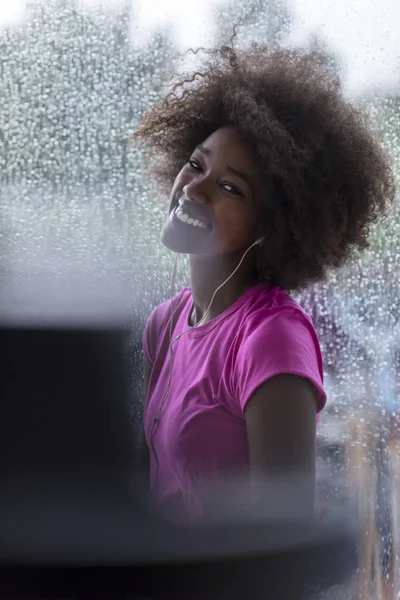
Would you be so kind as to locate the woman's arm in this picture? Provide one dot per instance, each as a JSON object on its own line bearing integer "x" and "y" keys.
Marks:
{"x": 281, "y": 422}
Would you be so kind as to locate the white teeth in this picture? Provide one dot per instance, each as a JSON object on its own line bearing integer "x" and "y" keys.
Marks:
{"x": 186, "y": 219}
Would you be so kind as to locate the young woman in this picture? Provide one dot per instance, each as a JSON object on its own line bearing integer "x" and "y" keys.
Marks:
{"x": 275, "y": 179}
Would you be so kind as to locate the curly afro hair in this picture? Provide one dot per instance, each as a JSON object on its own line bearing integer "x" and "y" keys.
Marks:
{"x": 325, "y": 176}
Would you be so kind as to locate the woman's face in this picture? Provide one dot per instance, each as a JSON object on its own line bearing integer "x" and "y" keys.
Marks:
{"x": 216, "y": 198}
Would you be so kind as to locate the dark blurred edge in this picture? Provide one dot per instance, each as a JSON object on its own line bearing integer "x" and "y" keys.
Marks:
{"x": 286, "y": 575}
{"x": 65, "y": 405}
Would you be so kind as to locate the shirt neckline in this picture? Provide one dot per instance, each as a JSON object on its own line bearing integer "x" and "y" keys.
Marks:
{"x": 207, "y": 327}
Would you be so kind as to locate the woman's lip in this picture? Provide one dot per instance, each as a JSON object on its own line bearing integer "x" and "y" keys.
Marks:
{"x": 194, "y": 212}
{"x": 194, "y": 229}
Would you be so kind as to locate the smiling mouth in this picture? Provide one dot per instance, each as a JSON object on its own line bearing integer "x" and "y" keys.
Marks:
{"x": 185, "y": 217}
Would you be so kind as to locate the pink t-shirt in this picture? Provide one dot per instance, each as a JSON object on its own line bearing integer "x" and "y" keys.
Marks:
{"x": 201, "y": 433}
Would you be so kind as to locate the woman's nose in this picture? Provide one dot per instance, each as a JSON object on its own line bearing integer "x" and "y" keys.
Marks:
{"x": 196, "y": 192}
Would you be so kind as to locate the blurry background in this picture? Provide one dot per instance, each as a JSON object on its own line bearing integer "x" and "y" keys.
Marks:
{"x": 75, "y": 196}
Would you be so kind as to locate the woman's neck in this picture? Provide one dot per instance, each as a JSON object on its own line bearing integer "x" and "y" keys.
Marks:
{"x": 208, "y": 273}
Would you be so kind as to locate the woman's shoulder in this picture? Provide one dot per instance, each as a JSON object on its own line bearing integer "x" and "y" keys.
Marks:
{"x": 270, "y": 300}
{"x": 275, "y": 310}
{"x": 157, "y": 323}
{"x": 161, "y": 313}
{"x": 156, "y": 328}
{"x": 276, "y": 336}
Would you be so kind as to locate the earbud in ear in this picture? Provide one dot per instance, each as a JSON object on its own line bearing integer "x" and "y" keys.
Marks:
{"x": 259, "y": 241}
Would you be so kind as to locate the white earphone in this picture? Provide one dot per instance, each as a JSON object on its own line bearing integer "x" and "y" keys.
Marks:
{"x": 258, "y": 242}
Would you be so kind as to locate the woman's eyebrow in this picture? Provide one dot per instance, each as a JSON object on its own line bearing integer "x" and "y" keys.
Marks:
{"x": 246, "y": 178}
{"x": 203, "y": 149}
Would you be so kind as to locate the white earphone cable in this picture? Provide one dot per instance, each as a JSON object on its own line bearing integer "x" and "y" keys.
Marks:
{"x": 172, "y": 342}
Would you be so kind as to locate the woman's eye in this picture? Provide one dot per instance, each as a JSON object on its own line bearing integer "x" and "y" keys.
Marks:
{"x": 232, "y": 189}
{"x": 194, "y": 164}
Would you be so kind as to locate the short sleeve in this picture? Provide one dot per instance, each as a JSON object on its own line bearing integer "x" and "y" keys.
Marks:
{"x": 153, "y": 333}
{"x": 283, "y": 342}
{"x": 149, "y": 340}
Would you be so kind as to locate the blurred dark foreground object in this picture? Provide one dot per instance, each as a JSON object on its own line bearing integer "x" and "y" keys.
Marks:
{"x": 72, "y": 521}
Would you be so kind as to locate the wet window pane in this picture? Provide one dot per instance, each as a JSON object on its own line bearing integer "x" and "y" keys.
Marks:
{"x": 75, "y": 194}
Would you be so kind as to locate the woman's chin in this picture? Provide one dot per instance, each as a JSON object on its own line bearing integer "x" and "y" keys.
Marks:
{"x": 173, "y": 247}
{"x": 178, "y": 246}
{"x": 184, "y": 239}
